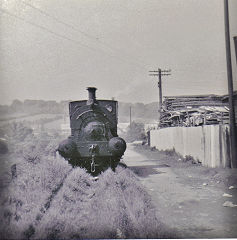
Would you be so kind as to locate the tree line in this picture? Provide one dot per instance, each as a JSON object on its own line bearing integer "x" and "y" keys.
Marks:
{"x": 34, "y": 107}
{"x": 138, "y": 110}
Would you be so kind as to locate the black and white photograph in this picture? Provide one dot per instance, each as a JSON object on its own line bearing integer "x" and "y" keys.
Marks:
{"x": 118, "y": 119}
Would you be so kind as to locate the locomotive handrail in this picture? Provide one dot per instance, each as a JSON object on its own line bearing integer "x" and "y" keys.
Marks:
{"x": 83, "y": 113}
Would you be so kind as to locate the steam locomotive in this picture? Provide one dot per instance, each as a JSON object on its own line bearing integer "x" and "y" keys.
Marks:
{"x": 94, "y": 143}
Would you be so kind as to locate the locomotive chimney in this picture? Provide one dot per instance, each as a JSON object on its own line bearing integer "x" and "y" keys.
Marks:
{"x": 91, "y": 96}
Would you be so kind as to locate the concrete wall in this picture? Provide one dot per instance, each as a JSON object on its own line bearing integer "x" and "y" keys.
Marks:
{"x": 208, "y": 144}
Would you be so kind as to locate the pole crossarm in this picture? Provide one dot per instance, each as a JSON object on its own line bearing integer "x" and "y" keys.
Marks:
{"x": 160, "y": 73}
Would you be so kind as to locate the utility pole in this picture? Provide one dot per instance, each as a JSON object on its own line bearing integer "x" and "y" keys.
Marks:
{"x": 233, "y": 140}
{"x": 235, "y": 41}
{"x": 160, "y": 73}
{"x": 130, "y": 114}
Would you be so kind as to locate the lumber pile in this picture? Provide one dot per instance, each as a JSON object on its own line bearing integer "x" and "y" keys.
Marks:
{"x": 193, "y": 111}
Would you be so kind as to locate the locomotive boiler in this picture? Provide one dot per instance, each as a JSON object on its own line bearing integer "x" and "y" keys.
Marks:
{"x": 94, "y": 143}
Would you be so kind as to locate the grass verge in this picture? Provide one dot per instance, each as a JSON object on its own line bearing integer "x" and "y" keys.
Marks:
{"x": 46, "y": 199}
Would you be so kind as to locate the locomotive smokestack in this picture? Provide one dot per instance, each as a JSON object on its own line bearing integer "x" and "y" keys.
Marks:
{"x": 91, "y": 95}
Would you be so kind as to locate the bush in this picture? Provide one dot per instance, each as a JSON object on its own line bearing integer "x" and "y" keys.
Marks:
{"x": 135, "y": 131}
{"x": 29, "y": 174}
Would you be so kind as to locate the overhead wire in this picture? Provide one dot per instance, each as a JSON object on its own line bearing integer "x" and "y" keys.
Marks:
{"x": 204, "y": 71}
{"x": 67, "y": 38}
{"x": 45, "y": 29}
{"x": 65, "y": 24}
{"x": 79, "y": 31}
{"x": 72, "y": 27}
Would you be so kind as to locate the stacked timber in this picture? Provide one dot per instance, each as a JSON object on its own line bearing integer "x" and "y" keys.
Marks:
{"x": 180, "y": 102}
{"x": 193, "y": 111}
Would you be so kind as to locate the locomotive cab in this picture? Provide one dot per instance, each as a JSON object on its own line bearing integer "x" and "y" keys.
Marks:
{"x": 94, "y": 143}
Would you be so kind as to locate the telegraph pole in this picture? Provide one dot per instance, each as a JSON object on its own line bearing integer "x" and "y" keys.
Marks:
{"x": 233, "y": 140}
{"x": 160, "y": 73}
{"x": 235, "y": 41}
{"x": 130, "y": 114}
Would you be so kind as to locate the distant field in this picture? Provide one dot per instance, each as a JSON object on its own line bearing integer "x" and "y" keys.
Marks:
{"x": 5, "y": 117}
{"x": 36, "y": 122}
{"x": 56, "y": 124}
{"x": 16, "y": 116}
{"x": 20, "y": 118}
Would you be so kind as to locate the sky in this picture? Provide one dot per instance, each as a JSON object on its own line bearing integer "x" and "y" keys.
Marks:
{"x": 55, "y": 49}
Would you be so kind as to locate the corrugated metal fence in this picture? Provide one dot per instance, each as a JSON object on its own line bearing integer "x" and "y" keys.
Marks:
{"x": 208, "y": 144}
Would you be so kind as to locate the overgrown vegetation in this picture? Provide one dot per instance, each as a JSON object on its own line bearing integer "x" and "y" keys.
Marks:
{"x": 43, "y": 197}
{"x": 29, "y": 173}
{"x": 135, "y": 132}
{"x": 141, "y": 111}
{"x": 172, "y": 153}
{"x": 114, "y": 206}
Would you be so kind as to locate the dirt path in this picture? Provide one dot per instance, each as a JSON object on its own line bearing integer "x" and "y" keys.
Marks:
{"x": 188, "y": 197}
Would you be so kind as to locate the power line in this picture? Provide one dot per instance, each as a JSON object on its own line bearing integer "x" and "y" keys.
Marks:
{"x": 66, "y": 38}
{"x": 65, "y": 24}
{"x": 45, "y": 29}
{"x": 203, "y": 71}
{"x": 70, "y": 26}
